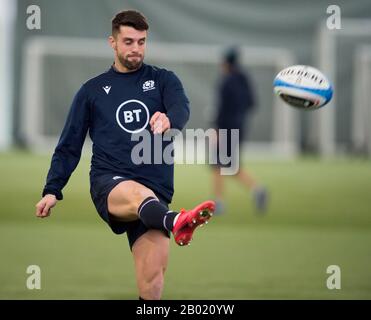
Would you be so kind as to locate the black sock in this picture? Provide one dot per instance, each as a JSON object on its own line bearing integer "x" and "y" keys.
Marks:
{"x": 155, "y": 215}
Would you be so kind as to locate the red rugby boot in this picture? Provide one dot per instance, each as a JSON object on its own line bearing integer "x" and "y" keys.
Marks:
{"x": 188, "y": 221}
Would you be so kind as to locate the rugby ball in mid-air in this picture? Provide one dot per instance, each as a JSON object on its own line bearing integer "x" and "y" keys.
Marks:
{"x": 303, "y": 87}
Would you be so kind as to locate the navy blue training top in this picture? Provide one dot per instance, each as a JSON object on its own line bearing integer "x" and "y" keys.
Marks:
{"x": 113, "y": 106}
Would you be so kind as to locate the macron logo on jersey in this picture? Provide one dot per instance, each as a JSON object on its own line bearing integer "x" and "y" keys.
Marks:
{"x": 107, "y": 89}
{"x": 148, "y": 85}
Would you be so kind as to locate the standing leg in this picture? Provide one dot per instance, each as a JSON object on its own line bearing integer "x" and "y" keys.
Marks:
{"x": 150, "y": 252}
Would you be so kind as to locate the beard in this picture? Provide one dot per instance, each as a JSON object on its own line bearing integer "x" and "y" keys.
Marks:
{"x": 131, "y": 64}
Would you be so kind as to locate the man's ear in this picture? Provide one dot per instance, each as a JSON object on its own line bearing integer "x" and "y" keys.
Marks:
{"x": 112, "y": 42}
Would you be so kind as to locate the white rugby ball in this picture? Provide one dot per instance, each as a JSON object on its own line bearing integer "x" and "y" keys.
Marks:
{"x": 303, "y": 87}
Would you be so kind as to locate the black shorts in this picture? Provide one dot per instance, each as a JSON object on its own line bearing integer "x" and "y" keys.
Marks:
{"x": 100, "y": 188}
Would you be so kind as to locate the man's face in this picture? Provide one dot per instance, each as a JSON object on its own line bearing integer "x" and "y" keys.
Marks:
{"x": 129, "y": 45}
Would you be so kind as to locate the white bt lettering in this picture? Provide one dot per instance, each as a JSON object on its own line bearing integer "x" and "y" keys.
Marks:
{"x": 128, "y": 115}
{"x": 137, "y": 111}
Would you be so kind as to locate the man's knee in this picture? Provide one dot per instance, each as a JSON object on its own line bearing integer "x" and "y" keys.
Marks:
{"x": 126, "y": 197}
{"x": 140, "y": 193}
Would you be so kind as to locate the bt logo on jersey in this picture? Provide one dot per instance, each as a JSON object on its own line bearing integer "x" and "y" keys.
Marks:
{"x": 132, "y": 116}
{"x": 128, "y": 115}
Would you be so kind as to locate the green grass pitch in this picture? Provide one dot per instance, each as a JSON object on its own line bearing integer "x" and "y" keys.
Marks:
{"x": 319, "y": 215}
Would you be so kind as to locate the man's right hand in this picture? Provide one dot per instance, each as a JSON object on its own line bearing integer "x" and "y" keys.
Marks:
{"x": 44, "y": 205}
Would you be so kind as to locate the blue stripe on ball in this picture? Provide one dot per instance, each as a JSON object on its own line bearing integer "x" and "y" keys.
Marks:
{"x": 325, "y": 93}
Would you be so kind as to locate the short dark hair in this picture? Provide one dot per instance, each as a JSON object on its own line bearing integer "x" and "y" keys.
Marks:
{"x": 131, "y": 18}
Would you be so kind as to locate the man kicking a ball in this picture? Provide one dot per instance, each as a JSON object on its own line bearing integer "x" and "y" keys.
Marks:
{"x": 128, "y": 98}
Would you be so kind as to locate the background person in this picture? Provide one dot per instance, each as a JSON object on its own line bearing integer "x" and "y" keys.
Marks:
{"x": 235, "y": 103}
